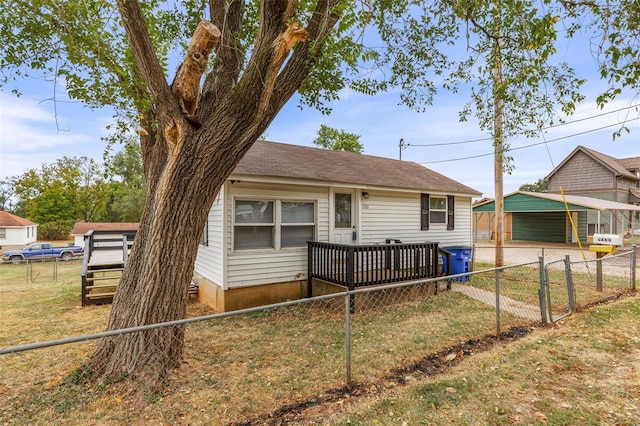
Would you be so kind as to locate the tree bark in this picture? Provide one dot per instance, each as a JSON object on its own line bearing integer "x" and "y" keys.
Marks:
{"x": 185, "y": 168}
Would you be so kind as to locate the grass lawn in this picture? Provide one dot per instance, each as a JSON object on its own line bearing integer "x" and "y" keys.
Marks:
{"x": 240, "y": 369}
{"x": 584, "y": 371}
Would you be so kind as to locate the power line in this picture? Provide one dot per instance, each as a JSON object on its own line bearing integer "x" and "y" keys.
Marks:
{"x": 533, "y": 144}
{"x": 526, "y": 131}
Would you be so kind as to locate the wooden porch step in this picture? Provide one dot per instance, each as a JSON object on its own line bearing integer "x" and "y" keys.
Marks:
{"x": 112, "y": 277}
{"x": 99, "y": 295}
{"x": 88, "y": 288}
{"x": 93, "y": 271}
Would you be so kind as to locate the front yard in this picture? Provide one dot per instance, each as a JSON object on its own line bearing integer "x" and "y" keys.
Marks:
{"x": 246, "y": 368}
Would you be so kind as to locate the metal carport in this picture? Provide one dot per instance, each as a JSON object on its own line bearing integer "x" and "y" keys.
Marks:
{"x": 542, "y": 217}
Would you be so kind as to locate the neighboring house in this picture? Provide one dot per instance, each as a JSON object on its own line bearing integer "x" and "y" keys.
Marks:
{"x": 542, "y": 217}
{"x": 16, "y": 231}
{"x": 81, "y": 228}
{"x": 589, "y": 173}
{"x": 254, "y": 248}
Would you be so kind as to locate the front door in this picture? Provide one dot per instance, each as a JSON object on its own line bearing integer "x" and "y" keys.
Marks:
{"x": 344, "y": 218}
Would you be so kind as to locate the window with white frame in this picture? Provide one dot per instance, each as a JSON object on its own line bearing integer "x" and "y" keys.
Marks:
{"x": 3, "y": 233}
{"x": 204, "y": 238}
{"x": 262, "y": 224}
{"x": 297, "y": 224}
{"x": 593, "y": 228}
{"x": 437, "y": 209}
{"x": 254, "y": 225}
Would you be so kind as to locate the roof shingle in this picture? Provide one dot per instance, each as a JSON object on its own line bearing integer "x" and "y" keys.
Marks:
{"x": 8, "y": 219}
{"x": 273, "y": 159}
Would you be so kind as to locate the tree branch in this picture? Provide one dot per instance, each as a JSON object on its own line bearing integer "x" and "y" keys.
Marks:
{"x": 186, "y": 84}
{"x": 146, "y": 59}
{"x": 301, "y": 62}
{"x": 227, "y": 16}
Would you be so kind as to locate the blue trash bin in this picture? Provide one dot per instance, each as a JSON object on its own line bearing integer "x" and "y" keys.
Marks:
{"x": 460, "y": 259}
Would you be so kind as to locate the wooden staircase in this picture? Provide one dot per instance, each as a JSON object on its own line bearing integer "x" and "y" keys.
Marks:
{"x": 105, "y": 256}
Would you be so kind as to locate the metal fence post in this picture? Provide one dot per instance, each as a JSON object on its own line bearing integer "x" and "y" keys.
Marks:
{"x": 351, "y": 278}
{"x": 542, "y": 292}
{"x": 634, "y": 265}
{"x": 347, "y": 337}
{"x": 571, "y": 291}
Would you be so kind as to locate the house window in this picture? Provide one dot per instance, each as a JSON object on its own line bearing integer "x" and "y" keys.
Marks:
{"x": 254, "y": 225}
{"x": 592, "y": 228}
{"x": 297, "y": 224}
{"x": 3, "y": 233}
{"x": 273, "y": 224}
{"x": 204, "y": 239}
{"x": 436, "y": 210}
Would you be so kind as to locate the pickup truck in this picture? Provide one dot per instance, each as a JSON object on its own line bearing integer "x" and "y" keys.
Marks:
{"x": 42, "y": 251}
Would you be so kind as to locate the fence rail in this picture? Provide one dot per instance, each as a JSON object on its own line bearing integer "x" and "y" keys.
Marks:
{"x": 300, "y": 348}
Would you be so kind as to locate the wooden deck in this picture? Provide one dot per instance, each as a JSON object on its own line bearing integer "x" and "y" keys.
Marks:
{"x": 103, "y": 258}
{"x": 103, "y": 263}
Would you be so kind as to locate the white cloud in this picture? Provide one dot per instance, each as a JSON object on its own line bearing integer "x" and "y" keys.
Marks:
{"x": 30, "y": 133}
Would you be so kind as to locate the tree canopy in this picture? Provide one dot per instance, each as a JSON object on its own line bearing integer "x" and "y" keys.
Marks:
{"x": 74, "y": 189}
{"x": 539, "y": 186}
{"x": 338, "y": 140}
{"x": 193, "y": 133}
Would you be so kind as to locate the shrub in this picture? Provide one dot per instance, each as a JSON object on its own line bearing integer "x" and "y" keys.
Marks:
{"x": 54, "y": 231}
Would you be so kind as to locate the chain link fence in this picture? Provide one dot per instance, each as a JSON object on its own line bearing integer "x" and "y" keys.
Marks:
{"x": 241, "y": 363}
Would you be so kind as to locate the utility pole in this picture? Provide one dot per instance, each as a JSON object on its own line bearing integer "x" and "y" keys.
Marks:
{"x": 402, "y": 146}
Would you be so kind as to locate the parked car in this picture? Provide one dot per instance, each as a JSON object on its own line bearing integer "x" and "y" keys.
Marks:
{"x": 42, "y": 251}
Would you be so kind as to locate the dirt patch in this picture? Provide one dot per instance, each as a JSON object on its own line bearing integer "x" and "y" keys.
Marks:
{"x": 316, "y": 410}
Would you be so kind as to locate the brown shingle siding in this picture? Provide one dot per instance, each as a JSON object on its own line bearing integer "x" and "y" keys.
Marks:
{"x": 588, "y": 170}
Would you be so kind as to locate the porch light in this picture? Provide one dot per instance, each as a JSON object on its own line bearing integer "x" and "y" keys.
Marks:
{"x": 365, "y": 195}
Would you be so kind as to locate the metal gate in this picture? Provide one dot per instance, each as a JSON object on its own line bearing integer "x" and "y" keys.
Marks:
{"x": 558, "y": 294}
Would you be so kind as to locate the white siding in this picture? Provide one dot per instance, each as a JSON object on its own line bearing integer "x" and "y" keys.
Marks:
{"x": 384, "y": 215}
{"x": 255, "y": 267}
{"x": 210, "y": 260}
{"x": 396, "y": 215}
{"x": 19, "y": 235}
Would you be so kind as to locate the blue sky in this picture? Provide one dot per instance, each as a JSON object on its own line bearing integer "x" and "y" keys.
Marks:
{"x": 35, "y": 130}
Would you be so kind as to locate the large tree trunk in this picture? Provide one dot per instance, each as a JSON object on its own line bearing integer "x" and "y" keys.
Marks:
{"x": 186, "y": 165}
{"x": 154, "y": 286}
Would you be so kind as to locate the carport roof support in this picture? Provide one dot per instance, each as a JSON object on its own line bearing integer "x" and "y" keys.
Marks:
{"x": 521, "y": 201}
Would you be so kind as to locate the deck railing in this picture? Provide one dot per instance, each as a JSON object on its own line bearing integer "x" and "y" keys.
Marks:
{"x": 354, "y": 266}
{"x": 95, "y": 241}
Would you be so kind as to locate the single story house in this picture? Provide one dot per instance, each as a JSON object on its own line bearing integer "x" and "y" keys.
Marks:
{"x": 254, "y": 248}
{"x": 542, "y": 217}
{"x": 81, "y": 228}
{"x": 16, "y": 231}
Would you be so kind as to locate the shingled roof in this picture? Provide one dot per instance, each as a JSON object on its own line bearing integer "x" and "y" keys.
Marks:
{"x": 631, "y": 163}
{"x": 272, "y": 159}
{"x": 619, "y": 167}
{"x": 8, "y": 220}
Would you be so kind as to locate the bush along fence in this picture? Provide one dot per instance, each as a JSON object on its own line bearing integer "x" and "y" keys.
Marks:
{"x": 299, "y": 349}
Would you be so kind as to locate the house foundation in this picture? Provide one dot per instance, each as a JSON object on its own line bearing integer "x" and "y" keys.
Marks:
{"x": 220, "y": 300}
